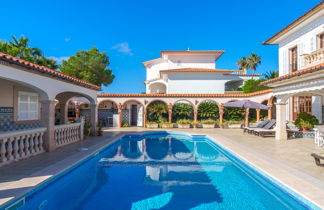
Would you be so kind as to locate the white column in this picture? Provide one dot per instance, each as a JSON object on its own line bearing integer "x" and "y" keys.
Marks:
{"x": 63, "y": 112}
{"x": 281, "y": 130}
{"x": 48, "y": 121}
{"x": 94, "y": 118}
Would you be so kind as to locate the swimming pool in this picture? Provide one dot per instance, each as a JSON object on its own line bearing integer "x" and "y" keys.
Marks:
{"x": 162, "y": 171}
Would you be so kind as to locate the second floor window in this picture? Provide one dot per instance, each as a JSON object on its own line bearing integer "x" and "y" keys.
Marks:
{"x": 321, "y": 41}
{"x": 293, "y": 63}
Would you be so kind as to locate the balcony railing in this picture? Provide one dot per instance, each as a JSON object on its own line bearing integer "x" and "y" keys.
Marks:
{"x": 17, "y": 145}
{"x": 68, "y": 133}
{"x": 313, "y": 58}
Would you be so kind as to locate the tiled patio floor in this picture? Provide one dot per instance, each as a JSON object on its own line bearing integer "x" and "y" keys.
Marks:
{"x": 288, "y": 161}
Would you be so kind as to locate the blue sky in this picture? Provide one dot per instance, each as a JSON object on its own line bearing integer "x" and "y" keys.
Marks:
{"x": 135, "y": 31}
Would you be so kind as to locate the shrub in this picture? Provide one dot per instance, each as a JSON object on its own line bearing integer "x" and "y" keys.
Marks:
{"x": 150, "y": 122}
{"x": 234, "y": 114}
{"x": 184, "y": 122}
{"x": 125, "y": 124}
{"x": 182, "y": 111}
{"x": 156, "y": 111}
{"x": 253, "y": 85}
{"x": 207, "y": 110}
{"x": 305, "y": 119}
{"x": 208, "y": 121}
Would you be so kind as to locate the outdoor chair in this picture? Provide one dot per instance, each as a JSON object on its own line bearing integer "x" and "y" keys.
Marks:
{"x": 318, "y": 158}
{"x": 268, "y": 126}
{"x": 257, "y": 125}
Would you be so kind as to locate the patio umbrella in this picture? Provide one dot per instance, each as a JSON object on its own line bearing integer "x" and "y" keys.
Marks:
{"x": 246, "y": 104}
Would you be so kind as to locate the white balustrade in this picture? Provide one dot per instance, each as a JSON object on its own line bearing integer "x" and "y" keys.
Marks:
{"x": 68, "y": 133}
{"x": 314, "y": 58}
{"x": 17, "y": 145}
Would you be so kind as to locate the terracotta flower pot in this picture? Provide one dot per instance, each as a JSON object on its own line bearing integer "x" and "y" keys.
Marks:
{"x": 185, "y": 126}
{"x": 155, "y": 125}
{"x": 208, "y": 125}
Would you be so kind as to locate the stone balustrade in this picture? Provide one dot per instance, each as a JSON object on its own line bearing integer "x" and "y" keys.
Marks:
{"x": 314, "y": 58}
{"x": 17, "y": 145}
{"x": 68, "y": 133}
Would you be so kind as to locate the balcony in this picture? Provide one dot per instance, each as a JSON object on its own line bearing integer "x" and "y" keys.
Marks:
{"x": 313, "y": 58}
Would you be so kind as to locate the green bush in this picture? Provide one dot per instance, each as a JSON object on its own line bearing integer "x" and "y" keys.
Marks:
{"x": 125, "y": 124}
{"x": 208, "y": 121}
{"x": 182, "y": 111}
{"x": 184, "y": 122}
{"x": 234, "y": 114}
{"x": 207, "y": 110}
{"x": 305, "y": 119}
{"x": 156, "y": 111}
{"x": 253, "y": 85}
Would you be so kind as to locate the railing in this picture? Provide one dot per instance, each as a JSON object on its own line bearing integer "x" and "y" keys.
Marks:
{"x": 313, "y": 58}
{"x": 68, "y": 133}
{"x": 17, "y": 145}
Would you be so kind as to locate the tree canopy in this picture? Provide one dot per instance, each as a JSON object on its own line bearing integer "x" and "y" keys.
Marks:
{"x": 251, "y": 62}
{"x": 271, "y": 75}
{"x": 253, "y": 85}
{"x": 89, "y": 65}
{"x": 19, "y": 47}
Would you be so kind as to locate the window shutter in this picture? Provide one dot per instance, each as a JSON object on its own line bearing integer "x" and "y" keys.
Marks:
{"x": 285, "y": 62}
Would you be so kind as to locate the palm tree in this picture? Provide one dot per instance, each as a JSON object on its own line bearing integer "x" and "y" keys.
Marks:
{"x": 182, "y": 111}
{"x": 207, "y": 110}
{"x": 243, "y": 64}
{"x": 156, "y": 110}
{"x": 271, "y": 74}
{"x": 254, "y": 61}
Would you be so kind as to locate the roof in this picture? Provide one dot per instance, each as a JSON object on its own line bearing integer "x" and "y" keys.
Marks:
{"x": 295, "y": 74}
{"x": 296, "y": 22}
{"x": 44, "y": 70}
{"x": 248, "y": 75}
{"x": 196, "y": 70}
{"x": 217, "y": 54}
{"x": 153, "y": 95}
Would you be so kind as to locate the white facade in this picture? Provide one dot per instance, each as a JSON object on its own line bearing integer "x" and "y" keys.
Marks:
{"x": 300, "y": 48}
{"x": 190, "y": 72}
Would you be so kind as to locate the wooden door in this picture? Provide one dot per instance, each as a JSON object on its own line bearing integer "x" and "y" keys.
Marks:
{"x": 134, "y": 115}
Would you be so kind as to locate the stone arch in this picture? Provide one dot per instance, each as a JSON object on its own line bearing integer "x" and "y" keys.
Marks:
{"x": 199, "y": 112}
{"x": 183, "y": 101}
{"x": 133, "y": 115}
{"x": 157, "y": 87}
{"x": 148, "y": 117}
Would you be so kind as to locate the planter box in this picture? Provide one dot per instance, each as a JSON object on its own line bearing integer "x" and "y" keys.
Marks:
{"x": 208, "y": 125}
{"x": 166, "y": 126}
{"x": 155, "y": 125}
{"x": 234, "y": 126}
{"x": 183, "y": 126}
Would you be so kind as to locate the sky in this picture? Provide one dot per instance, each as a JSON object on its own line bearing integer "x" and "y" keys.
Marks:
{"x": 132, "y": 32}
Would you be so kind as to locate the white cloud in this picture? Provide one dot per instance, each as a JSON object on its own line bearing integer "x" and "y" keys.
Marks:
{"x": 123, "y": 48}
{"x": 60, "y": 59}
{"x": 67, "y": 39}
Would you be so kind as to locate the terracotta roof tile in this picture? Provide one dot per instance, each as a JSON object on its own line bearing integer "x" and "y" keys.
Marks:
{"x": 43, "y": 69}
{"x": 295, "y": 74}
{"x": 241, "y": 95}
{"x": 196, "y": 70}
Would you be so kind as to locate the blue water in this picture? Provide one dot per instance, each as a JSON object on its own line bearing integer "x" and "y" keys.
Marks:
{"x": 161, "y": 171}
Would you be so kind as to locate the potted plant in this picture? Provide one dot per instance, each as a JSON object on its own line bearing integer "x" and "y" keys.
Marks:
{"x": 306, "y": 121}
{"x": 165, "y": 124}
{"x": 184, "y": 123}
{"x": 152, "y": 125}
{"x": 87, "y": 129}
{"x": 125, "y": 124}
{"x": 233, "y": 124}
{"x": 209, "y": 123}
{"x": 100, "y": 131}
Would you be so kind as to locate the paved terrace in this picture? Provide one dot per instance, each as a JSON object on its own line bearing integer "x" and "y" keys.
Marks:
{"x": 287, "y": 161}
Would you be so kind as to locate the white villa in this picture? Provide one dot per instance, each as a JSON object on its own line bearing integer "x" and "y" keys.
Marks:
{"x": 191, "y": 72}
{"x": 300, "y": 85}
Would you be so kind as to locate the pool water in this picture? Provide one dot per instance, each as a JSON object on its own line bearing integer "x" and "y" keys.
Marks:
{"x": 162, "y": 171}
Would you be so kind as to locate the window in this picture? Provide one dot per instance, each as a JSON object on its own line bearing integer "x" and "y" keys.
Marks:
{"x": 321, "y": 41}
{"x": 301, "y": 104}
{"x": 293, "y": 59}
{"x": 28, "y": 106}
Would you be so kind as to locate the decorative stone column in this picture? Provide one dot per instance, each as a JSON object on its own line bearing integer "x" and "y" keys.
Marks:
{"x": 270, "y": 112}
{"x": 77, "y": 111}
{"x": 120, "y": 115}
{"x": 281, "y": 130}
{"x": 257, "y": 115}
{"x": 94, "y": 118}
{"x": 63, "y": 112}
{"x": 195, "y": 115}
{"x": 221, "y": 113}
{"x": 170, "y": 112}
{"x": 48, "y": 121}
{"x": 144, "y": 117}
{"x": 247, "y": 111}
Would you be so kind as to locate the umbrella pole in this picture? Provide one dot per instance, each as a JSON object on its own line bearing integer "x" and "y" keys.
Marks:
{"x": 247, "y": 117}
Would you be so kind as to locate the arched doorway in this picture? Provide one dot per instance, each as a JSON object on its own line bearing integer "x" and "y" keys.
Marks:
{"x": 133, "y": 113}
{"x": 108, "y": 113}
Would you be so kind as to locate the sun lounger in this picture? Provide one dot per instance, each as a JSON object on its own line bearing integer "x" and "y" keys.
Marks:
{"x": 318, "y": 158}
{"x": 258, "y": 125}
{"x": 268, "y": 126}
